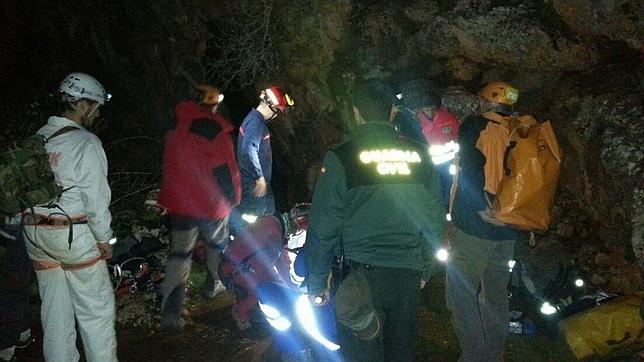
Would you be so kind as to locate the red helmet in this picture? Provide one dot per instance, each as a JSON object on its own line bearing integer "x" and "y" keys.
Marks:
{"x": 277, "y": 99}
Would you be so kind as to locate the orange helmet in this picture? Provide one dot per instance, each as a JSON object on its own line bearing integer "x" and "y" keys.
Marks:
{"x": 209, "y": 95}
{"x": 500, "y": 92}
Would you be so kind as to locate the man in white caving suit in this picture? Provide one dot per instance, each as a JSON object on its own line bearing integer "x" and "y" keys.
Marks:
{"x": 68, "y": 244}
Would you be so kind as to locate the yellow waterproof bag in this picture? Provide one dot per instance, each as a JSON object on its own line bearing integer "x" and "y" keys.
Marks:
{"x": 523, "y": 161}
{"x": 613, "y": 329}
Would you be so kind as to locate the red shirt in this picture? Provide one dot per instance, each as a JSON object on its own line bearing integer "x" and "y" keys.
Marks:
{"x": 200, "y": 174}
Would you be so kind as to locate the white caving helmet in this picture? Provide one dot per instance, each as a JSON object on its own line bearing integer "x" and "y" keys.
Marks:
{"x": 78, "y": 85}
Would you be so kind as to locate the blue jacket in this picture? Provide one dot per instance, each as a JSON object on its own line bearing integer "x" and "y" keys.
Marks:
{"x": 254, "y": 148}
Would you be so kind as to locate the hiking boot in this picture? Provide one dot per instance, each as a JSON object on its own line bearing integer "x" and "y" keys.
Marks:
{"x": 212, "y": 288}
{"x": 171, "y": 325}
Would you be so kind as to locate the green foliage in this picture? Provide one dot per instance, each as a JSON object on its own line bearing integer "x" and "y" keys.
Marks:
{"x": 240, "y": 51}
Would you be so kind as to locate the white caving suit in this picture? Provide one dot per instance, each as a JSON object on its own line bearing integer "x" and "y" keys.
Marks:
{"x": 74, "y": 282}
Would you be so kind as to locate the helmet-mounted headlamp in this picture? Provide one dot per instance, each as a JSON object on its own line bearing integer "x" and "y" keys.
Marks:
{"x": 209, "y": 95}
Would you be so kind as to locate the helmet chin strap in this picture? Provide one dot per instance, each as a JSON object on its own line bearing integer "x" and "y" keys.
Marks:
{"x": 275, "y": 113}
{"x": 84, "y": 117}
{"x": 93, "y": 110}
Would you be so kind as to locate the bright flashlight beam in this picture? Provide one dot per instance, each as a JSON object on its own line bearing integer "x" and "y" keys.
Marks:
{"x": 274, "y": 317}
{"x": 281, "y": 323}
{"x": 548, "y": 309}
{"x": 304, "y": 312}
{"x": 249, "y": 218}
{"x": 270, "y": 311}
{"x": 112, "y": 241}
{"x": 579, "y": 282}
{"x": 442, "y": 255}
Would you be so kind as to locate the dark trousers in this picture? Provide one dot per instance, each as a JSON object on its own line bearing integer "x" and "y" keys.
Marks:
{"x": 183, "y": 237}
{"x": 15, "y": 313}
{"x": 395, "y": 298}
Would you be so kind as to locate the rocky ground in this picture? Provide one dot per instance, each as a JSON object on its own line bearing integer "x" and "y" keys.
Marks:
{"x": 211, "y": 334}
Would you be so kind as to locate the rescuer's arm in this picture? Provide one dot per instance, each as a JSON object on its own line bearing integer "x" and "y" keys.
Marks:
{"x": 325, "y": 224}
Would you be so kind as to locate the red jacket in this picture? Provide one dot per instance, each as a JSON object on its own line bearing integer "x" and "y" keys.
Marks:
{"x": 200, "y": 174}
{"x": 442, "y": 129}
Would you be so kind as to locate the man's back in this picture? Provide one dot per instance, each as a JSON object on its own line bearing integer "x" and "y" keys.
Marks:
{"x": 391, "y": 199}
{"x": 200, "y": 177}
{"x": 381, "y": 198}
{"x": 470, "y": 195}
{"x": 80, "y": 166}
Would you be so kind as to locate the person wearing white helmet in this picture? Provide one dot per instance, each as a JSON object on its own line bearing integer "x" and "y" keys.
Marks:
{"x": 83, "y": 93}
{"x": 68, "y": 244}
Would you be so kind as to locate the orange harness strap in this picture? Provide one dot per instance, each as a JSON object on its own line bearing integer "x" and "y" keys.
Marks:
{"x": 44, "y": 265}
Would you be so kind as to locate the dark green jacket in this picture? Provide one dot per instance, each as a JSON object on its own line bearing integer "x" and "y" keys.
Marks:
{"x": 384, "y": 206}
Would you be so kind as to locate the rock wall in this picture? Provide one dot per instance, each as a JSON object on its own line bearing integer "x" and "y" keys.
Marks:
{"x": 577, "y": 63}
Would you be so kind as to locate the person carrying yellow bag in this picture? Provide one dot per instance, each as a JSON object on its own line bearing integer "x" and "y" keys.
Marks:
{"x": 480, "y": 243}
{"x": 522, "y": 167}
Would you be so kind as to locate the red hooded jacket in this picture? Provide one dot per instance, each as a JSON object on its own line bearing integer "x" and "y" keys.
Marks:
{"x": 200, "y": 174}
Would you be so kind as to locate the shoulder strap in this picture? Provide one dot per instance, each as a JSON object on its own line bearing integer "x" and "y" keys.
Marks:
{"x": 61, "y": 132}
{"x": 495, "y": 117}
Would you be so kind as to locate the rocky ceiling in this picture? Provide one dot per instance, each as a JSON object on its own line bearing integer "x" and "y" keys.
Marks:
{"x": 577, "y": 63}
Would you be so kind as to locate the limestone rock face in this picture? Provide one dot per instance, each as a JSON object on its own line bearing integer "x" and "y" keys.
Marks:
{"x": 512, "y": 36}
{"x": 604, "y": 166}
{"x": 616, "y": 20}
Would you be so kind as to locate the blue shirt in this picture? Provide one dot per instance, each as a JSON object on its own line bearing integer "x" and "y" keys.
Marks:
{"x": 254, "y": 148}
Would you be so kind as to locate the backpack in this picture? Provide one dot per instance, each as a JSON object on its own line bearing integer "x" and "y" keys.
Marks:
{"x": 26, "y": 177}
{"x": 523, "y": 161}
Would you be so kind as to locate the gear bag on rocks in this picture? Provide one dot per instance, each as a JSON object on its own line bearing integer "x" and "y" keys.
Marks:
{"x": 26, "y": 177}
{"x": 522, "y": 167}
